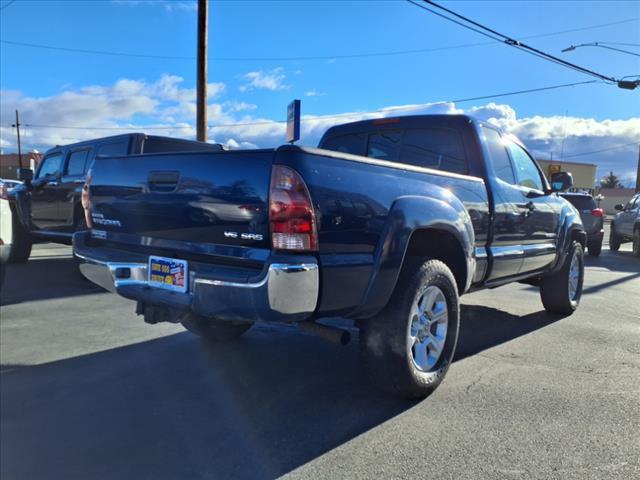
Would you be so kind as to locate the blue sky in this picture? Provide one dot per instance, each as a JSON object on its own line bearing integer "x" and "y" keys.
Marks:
{"x": 35, "y": 79}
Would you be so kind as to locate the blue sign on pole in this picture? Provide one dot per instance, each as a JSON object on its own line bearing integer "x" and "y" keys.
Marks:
{"x": 293, "y": 121}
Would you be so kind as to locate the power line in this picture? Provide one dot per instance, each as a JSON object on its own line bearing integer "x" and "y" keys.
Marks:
{"x": 582, "y": 154}
{"x": 311, "y": 57}
{"x": 491, "y": 33}
{"x": 7, "y": 4}
{"x": 324, "y": 117}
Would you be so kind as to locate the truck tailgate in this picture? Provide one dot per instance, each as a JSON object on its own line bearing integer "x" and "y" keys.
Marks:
{"x": 209, "y": 198}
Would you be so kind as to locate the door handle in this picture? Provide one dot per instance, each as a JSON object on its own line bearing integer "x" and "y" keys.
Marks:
{"x": 79, "y": 181}
{"x": 53, "y": 184}
{"x": 529, "y": 206}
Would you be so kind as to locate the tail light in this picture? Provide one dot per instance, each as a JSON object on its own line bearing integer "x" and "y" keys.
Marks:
{"x": 291, "y": 214}
{"x": 4, "y": 191}
{"x": 597, "y": 212}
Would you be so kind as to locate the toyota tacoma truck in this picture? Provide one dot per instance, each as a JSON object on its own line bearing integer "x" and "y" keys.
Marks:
{"x": 387, "y": 223}
{"x": 47, "y": 208}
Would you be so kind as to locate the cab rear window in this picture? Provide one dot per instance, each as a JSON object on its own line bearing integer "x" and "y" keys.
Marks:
{"x": 581, "y": 202}
{"x": 437, "y": 148}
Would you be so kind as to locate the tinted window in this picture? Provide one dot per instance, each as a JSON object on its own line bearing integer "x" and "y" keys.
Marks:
{"x": 499, "y": 158}
{"x": 114, "y": 149}
{"x": 434, "y": 148}
{"x": 77, "y": 163}
{"x": 50, "y": 165}
{"x": 354, "y": 143}
{"x": 581, "y": 202}
{"x": 527, "y": 173}
{"x": 384, "y": 145}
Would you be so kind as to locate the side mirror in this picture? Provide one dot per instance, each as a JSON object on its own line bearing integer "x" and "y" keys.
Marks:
{"x": 561, "y": 181}
{"x": 25, "y": 175}
{"x": 619, "y": 207}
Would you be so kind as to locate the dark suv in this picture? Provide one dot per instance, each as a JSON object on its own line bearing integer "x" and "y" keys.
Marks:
{"x": 47, "y": 206}
{"x": 592, "y": 218}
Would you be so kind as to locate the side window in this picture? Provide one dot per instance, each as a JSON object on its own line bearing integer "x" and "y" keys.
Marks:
{"x": 499, "y": 158}
{"x": 384, "y": 145}
{"x": 113, "y": 149}
{"x": 354, "y": 143}
{"x": 77, "y": 164}
{"x": 51, "y": 165}
{"x": 526, "y": 171}
{"x": 434, "y": 148}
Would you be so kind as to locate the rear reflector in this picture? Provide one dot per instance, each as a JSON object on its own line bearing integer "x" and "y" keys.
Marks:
{"x": 291, "y": 214}
{"x": 597, "y": 212}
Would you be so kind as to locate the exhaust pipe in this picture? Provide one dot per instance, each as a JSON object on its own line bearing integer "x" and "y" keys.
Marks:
{"x": 332, "y": 334}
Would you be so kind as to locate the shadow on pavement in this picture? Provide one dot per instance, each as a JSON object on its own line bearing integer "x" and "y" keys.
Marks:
{"x": 44, "y": 278}
{"x": 177, "y": 407}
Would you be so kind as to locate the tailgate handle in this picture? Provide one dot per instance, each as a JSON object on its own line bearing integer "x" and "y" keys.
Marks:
{"x": 163, "y": 181}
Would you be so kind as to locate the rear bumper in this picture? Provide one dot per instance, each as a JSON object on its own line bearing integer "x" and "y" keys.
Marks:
{"x": 282, "y": 292}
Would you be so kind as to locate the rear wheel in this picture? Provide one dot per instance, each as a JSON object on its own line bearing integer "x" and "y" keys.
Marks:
{"x": 595, "y": 248}
{"x": 212, "y": 329}
{"x": 21, "y": 242}
{"x": 614, "y": 240}
{"x": 561, "y": 291}
{"x": 636, "y": 242}
{"x": 408, "y": 347}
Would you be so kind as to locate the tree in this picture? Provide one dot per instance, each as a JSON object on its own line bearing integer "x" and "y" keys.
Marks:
{"x": 610, "y": 181}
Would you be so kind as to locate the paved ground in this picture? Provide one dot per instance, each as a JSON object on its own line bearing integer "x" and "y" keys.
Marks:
{"x": 89, "y": 391}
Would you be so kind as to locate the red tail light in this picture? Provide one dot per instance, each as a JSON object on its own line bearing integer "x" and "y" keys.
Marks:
{"x": 293, "y": 221}
{"x": 597, "y": 212}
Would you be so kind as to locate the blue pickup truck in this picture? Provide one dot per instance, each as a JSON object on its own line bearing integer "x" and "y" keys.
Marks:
{"x": 387, "y": 223}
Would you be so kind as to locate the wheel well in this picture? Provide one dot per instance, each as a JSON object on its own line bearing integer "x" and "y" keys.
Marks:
{"x": 579, "y": 236}
{"x": 443, "y": 246}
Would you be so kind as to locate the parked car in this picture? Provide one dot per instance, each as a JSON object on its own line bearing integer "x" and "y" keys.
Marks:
{"x": 48, "y": 205}
{"x": 625, "y": 226}
{"x": 6, "y": 227}
{"x": 387, "y": 223}
{"x": 592, "y": 219}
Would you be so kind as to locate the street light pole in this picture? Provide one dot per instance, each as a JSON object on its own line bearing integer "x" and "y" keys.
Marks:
{"x": 17, "y": 125}
{"x": 638, "y": 174}
{"x": 598, "y": 44}
{"x": 201, "y": 89}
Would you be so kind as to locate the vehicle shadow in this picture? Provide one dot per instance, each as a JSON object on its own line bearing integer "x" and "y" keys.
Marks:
{"x": 44, "y": 278}
{"x": 178, "y": 407}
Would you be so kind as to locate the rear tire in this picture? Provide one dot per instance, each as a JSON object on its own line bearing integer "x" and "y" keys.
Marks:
{"x": 636, "y": 242}
{"x": 561, "y": 292}
{"x": 212, "y": 329}
{"x": 21, "y": 242}
{"x": 614, "y": 240}
{"x": 595, "y": 249}
{"x": 408, "y": 347}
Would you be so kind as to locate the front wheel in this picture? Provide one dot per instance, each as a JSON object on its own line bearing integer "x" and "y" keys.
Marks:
{"x": 614, "y": 240}
{"x": 561, "y": 291}
{"x": 212, "y": 329}
{"x": 408, "y": 347}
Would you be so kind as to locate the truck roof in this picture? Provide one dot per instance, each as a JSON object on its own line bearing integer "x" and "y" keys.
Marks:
{"x": 409, "y": 121}
{"x": 130, "y": 135}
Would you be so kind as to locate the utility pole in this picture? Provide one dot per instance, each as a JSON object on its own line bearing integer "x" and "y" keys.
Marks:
{"x": 17, "y": 125}
{"x": 201, "y": 89}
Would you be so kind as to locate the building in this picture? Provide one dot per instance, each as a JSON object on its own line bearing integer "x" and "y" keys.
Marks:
{"x": 584, "y": 174}
{"x": 9, "y": 163}
{"x": 614, "y": 196}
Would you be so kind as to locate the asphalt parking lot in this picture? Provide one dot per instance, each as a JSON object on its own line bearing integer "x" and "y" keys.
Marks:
{"x": 89, "y": 391}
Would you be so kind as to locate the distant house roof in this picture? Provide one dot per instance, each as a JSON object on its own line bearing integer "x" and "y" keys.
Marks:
{"x": 11, "y": 159}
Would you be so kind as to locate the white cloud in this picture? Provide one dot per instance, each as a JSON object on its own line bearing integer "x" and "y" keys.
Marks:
{"x": 167, "y": 104}
{"x": 271, "y": 80}
{"x": 314, "y": 93}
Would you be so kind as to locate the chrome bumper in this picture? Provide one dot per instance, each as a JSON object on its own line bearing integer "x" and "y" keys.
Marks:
{"x": 286, "y": 292}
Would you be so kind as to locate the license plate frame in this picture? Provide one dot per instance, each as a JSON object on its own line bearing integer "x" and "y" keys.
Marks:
{"x": 170, "y": 274}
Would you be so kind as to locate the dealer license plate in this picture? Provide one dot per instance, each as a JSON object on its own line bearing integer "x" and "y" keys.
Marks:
{"x": 168, "y": 273}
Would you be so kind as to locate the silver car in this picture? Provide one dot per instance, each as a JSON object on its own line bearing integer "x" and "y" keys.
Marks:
{"x": 625, "y": 227}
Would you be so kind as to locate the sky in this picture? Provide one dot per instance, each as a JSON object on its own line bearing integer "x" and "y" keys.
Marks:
{"x": 340, "y": 58}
